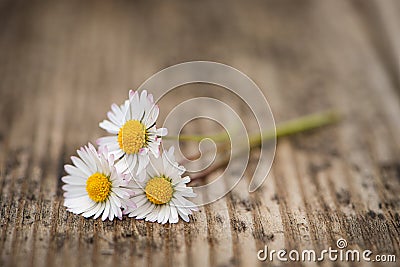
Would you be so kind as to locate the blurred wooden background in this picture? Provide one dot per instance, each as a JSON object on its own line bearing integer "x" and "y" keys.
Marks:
{"x": 62, "y": 64}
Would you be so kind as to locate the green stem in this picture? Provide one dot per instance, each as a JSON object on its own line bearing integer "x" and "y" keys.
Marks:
{"x": 294, "y": 126}
{"x": 298, "y": 125}
{"x": 220, "y": 137}
{"x": 301, "y": 124}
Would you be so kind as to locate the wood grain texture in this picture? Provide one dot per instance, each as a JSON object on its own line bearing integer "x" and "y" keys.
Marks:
{"x": 62, "y": 64}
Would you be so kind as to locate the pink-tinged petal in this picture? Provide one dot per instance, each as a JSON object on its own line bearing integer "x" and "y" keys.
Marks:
{"x": 118, "y": 153}
{"x": 121, "y": 193}
{"x": 131, "y": 93}
{"x": 143, "y": 151}
{"x": 103, "y": 149}
{"x": 128, "y": 205}
{"x": 135, "y": 97}
{"x": 150, "y": 97}
{"x": 111, "y": 157}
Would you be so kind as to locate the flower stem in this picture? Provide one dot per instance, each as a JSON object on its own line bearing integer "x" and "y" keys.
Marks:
{"x": 294, "y": 126}
{"x": 220, "y": 137}
{"x": 301, "y": 124}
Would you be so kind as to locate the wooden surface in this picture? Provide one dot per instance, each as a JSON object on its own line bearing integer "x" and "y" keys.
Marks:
{"x": 62, "y": 63}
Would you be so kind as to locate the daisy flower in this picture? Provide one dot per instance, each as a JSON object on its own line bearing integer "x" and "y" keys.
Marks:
{"x": 93, "y": 187}
{"x": 161, "y": 192}
{"x": 135, "y": 136}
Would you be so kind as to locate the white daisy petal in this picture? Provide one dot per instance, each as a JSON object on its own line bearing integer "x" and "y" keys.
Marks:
{"x": 174, "y": 215}
{"x": 106, "y": 211}
{"x": 94, "y": 187}
{"x": 100, "y": 211}
{"x": 151, "y": 99}
{"x": 135, "y": 122}
{"x": 115, "y": 199}
{"x": 75, "y": 193}
{"x": 142, "y": 211}
{"x": 109, "y": 127}
{"x": 75, "y": 202}
{"x": 107, "y": 140}
{"x": 167, "y": 213}
{"x": 114, "y": 119}
{"x": 185, "y": 179}
{"x": 161, "y": 214}
{"x": 81, "y": 165}
{"x": 91, "y": 212}
{"x": 128, "y": 206}
{"x": 152, "y": 217}
{"x": 184, "y": 216}
{"x": 143, "y": 162}
{"x": 162, "y": 132}
{"x": 152, "y": 115}
{"x": 180, "y": 205}
{"x": 187, "y": 193}
{"x": 160, "y": 198}
{"x": 155, "y": 149}
{"x": 82, "y": 209}
{"x": 152, "y": 170}
{"x": 140, "y": 200}
{"x": 74, "y": 171}
{"x": 86, "y": 158}
{"x": 133, "y": 108}
{"x": 74, "y": 180}
{"x": 156, "y": 165}
{"x": 71, "y": 187}
{"x": 120, "y": 193}
{"x": 118, "y": 112}
{"x": 114, "y": 209}
{"x": 118, "y": 153}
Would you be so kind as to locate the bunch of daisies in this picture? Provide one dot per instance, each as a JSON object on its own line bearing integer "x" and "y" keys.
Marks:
{"x": 129, "y": 174}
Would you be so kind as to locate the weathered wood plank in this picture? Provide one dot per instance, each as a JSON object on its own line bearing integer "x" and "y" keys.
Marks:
{"x": 63, "y": 63}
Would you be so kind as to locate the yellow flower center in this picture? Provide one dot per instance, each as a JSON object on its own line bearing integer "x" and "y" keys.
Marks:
{"x": 98, "y": 187}
{"x": 159, "y": 190}
{"x": 132, "y": 136}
